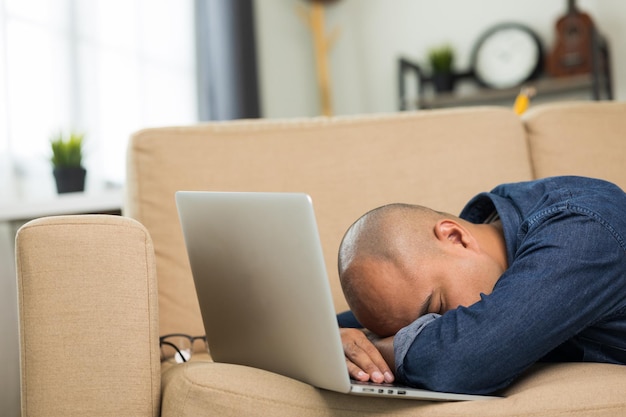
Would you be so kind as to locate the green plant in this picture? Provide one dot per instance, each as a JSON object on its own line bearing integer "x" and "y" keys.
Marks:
{"x": 441, "y": 59}
{"x": 67, "y": 152}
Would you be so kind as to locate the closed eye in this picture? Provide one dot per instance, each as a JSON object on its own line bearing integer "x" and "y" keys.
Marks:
{"x": 425, "y": 308}
{"x": 442, "y": 308}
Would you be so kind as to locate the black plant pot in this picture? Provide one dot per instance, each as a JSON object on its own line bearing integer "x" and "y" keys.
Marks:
{"x": 444, "y": 82}
{"x": 70, "y": 179}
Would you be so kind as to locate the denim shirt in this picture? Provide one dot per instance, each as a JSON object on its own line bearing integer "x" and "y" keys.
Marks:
{"x": 562, "y": 298}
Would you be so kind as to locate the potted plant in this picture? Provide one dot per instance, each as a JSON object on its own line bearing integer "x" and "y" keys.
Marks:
{"x": 441, "y": 61}
{"x": 67, "y": 159}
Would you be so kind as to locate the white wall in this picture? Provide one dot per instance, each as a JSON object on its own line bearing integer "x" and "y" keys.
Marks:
{"x": 374, "y": 33}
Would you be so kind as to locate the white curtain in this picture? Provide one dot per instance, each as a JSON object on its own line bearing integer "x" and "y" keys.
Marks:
{"x": 103, "y": 67}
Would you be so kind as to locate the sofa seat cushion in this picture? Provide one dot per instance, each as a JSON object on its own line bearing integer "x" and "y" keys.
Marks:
{"x": 216, "y": 389}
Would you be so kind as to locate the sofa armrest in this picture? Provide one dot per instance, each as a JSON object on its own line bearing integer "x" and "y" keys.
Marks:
{"x": 88, "y": 317}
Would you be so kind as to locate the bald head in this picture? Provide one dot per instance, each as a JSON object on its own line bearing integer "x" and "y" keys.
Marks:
{"x": 400, "y": 261}
{"x": 378, "y": 255}
{"x": 389, "y": 233}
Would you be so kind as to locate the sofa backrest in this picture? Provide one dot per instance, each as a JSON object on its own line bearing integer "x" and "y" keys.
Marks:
{"x": 348, "y": 165}
{"x": 578, "y": 138}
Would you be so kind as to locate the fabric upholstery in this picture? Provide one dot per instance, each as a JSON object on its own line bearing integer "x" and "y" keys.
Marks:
{"x": 347, "y": 164}
{"x": 214, "y": 389}
{"x": 88, "y": 318}
{"x": 586, "y": 139}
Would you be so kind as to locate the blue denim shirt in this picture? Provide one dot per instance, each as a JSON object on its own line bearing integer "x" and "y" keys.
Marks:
{"x": 562, "y": 298}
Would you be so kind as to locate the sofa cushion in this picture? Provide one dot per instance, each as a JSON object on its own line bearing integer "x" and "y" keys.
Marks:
{"x": 215, "y": 389}
{"x": 347, "y": 164}
{"x": 578, "y": 138}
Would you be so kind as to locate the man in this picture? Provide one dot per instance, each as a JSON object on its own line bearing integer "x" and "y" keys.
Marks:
{"x": 530, "y": 271}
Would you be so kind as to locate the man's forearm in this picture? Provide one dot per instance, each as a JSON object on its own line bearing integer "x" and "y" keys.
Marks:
{"x": 384, "y": 346}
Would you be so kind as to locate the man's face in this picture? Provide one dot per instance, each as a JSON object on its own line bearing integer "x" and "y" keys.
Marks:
{"x": 389, "y": 297}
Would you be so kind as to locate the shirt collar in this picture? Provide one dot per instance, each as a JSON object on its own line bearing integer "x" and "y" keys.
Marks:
{"x": 479, "y": 210}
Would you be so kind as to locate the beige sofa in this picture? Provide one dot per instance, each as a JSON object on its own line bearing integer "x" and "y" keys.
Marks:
{"x": 90, "y": 312}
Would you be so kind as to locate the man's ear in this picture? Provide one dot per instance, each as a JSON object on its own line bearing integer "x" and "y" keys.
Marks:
{"x": 448, "y": 230}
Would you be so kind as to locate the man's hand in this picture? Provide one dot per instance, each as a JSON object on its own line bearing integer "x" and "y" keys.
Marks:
{"x": 366, "y": 354}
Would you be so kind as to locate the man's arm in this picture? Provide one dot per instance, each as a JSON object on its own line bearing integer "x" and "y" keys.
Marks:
{"x": 347, "y": 319}
{"x": 557, "y": 287}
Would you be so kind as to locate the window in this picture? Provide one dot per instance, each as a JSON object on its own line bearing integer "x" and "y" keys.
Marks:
{"x": 104, "y": 67}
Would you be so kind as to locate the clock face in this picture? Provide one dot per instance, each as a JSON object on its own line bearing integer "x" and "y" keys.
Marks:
{"x": 507, "y": 57}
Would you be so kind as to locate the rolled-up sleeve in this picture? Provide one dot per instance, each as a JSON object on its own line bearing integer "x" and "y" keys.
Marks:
{"x": 405, "y": 337}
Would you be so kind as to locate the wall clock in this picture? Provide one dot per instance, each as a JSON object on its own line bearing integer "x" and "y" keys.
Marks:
{"x": 507, "y": 55}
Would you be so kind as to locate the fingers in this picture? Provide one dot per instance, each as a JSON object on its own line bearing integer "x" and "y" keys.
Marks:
{"x": 363, "y": 359}
{"x": 356, "y": 372}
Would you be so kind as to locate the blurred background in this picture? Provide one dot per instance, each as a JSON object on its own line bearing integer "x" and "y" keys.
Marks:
{"x": 109, "y": 68}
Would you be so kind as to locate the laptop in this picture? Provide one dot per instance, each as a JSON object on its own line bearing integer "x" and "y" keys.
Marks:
{"x": 264, "y": 295}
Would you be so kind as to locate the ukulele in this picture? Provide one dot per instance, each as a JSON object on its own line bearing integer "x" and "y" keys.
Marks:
{"x": 572, "y": 53}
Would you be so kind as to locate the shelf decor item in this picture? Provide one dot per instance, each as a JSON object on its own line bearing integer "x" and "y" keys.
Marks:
{"x": 573, "y": 50}
{"x": 441, "y": 61}
{"x": 507, "y": 55}
{"x": 67, "y": 159}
